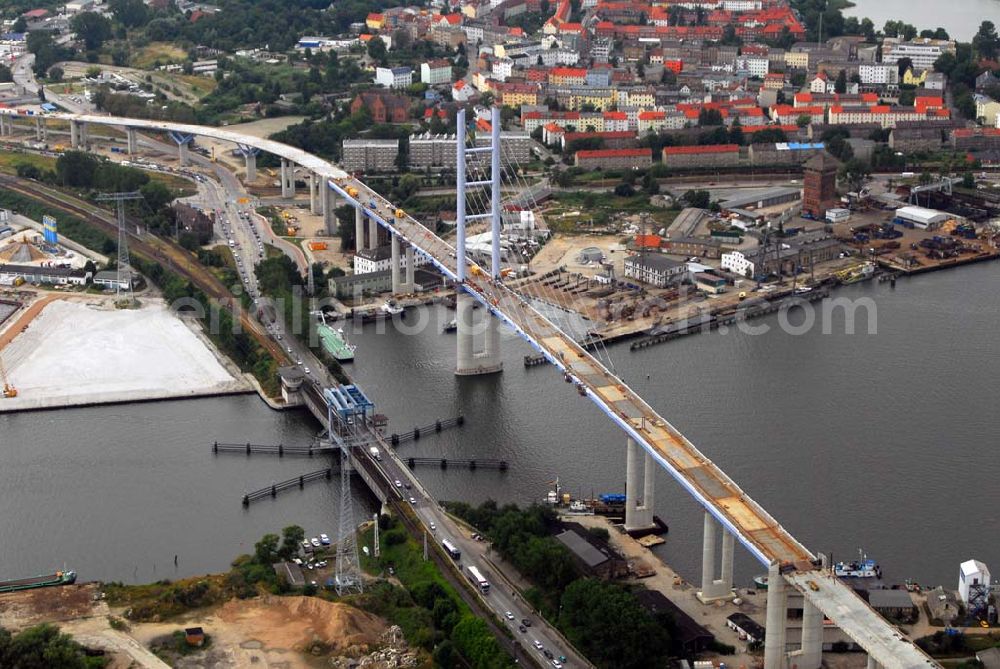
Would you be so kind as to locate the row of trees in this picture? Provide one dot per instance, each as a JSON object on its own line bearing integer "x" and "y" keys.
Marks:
{"x": 604, "y": 620}
{"x": 44, "y": 646}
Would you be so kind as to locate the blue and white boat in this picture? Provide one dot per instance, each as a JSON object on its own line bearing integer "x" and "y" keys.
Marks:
{"x": 863, "y": 567}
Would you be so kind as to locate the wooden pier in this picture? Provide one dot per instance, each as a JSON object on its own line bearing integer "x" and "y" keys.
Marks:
{"x": 444, "y": 463}
{"x": 435, "y": 427}
{"x": 270, "y": 449}
{"x": 299, "y": 482}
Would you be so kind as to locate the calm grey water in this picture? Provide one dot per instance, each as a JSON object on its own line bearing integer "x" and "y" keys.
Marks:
{"x": 960, "y": 18}
{"x": 877, "y": 441}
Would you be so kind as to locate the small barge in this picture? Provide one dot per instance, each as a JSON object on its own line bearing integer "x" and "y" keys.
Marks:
{"x": 58, "y": 578}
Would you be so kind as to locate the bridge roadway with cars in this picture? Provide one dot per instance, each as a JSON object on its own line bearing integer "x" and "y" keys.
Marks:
{"x": 721, "y": 497}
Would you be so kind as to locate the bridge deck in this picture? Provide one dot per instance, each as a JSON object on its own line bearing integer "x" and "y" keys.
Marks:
{"x": 761, "y": 534}
{"x": 719, "y": 494}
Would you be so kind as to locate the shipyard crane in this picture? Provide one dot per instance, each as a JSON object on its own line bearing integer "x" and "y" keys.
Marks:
{"x": 8, "y": 389}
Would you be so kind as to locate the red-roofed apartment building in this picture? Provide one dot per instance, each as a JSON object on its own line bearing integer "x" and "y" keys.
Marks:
{"x": 713, "y": 155}
{"x": 614, "y": 159}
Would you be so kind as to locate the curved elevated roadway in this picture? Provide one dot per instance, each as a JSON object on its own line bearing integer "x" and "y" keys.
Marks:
{"x": 756, "y": 529}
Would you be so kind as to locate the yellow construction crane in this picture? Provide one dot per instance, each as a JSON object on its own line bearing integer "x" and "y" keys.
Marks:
{"x": 8, "y": 390}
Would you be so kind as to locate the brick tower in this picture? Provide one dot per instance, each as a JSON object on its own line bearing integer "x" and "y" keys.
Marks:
{"x": 820, "y": 184}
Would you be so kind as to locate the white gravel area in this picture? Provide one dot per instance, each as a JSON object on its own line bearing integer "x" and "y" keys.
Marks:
{"x": 76, "y": 353}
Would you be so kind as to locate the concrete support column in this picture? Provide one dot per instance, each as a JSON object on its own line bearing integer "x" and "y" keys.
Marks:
{"x": 811, "y": 655}
{"x": 372, "y": 232}
{"x": 328, "y": 198}
{"x": 314, "y": 182}
{"x": 132, "y": 140}
{"x": 491, "y": 351}
{"x": 74, "y": 134}
{"x": 638, "y": 516}
{"x": 84, "y": 136}
{"x": 359, "y": 229}
{"x": 777, "y": 618}
{"x": 728, "y": 545}
{"x": 410, "y": 269}
{"x": 39, "y": 129}
{"x": 251, "y": 160}
{"x": 648, "y": 481}
{"x": 872, "y": 664}
{"x": 463, "y": 318}
{"x": 631, "y": 483}
{"x": 708, "y": 554}
{"x": 394, "y": 266}
{"x": 284, "y": 179}
{"x": 182, "y": 153}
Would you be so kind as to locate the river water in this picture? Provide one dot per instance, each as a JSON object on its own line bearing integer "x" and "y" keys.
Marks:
{"x": 960, "y": 18}
{"x": 878, "y": 441}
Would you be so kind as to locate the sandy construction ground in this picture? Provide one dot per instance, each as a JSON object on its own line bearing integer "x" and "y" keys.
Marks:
{"x": 272, "y": 632}
{"x": 87, "y": 352}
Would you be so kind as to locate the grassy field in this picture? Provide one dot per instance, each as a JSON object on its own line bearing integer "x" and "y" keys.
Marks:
{"x": 573, "y": 208}
{"x": 147, "y": 56}
{"x": 9, "y": 161}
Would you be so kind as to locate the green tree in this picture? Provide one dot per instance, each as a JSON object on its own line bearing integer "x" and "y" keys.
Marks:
{"x": 376, "y": 49}
{"x": 291, "y": 538}
{"x": 840, "y": 84}
{"x": 47, "y": 53}
{"x": 854, "y": 173}
{"x": 157, "y": 195}
{"x": 130, "y": 13}
{"x": 266, "y": 550}
{"x": 43, "y": 647}
{"x": 697, "y": 198}
{"x": 93, "y": 28}
{"x": 55, "y": 73}
{"x": 985, "y": 41}
{"x": 76, "y": 168}
{"x": 709, "y": 116}
{"x": 736, "y": 132}
{"x": 5, "y": 74}
{"x": 610, "y": 627}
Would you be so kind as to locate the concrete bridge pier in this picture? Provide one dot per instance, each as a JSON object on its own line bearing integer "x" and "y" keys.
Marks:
{"x": 712, "y": 588}
{"x": 638, "y": 510}
{"x": 469, "y": 362}
{"x": 40, "y": 129}
{"x": 359, "y": 229}
{"x": 78, "y": 135}
{"x": 132, "y": 141}
{"x": 287, "y": 178}
{"x": 394, "y": 266}
{"x": 314, "y": 182}
{"x": 410, "y": 282}
{"x": 873, "y": 664}
{"x": 250, "y": 157}
{"x": 328, "y": 200}
{"x": 811, "y": 654}
{"x": 182, "y": 140}
{"x": 776, "y": 621}
{"x": 4, "y": 121}
{"x": 463, "y": 318}
{"x": 372, "y": 233}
